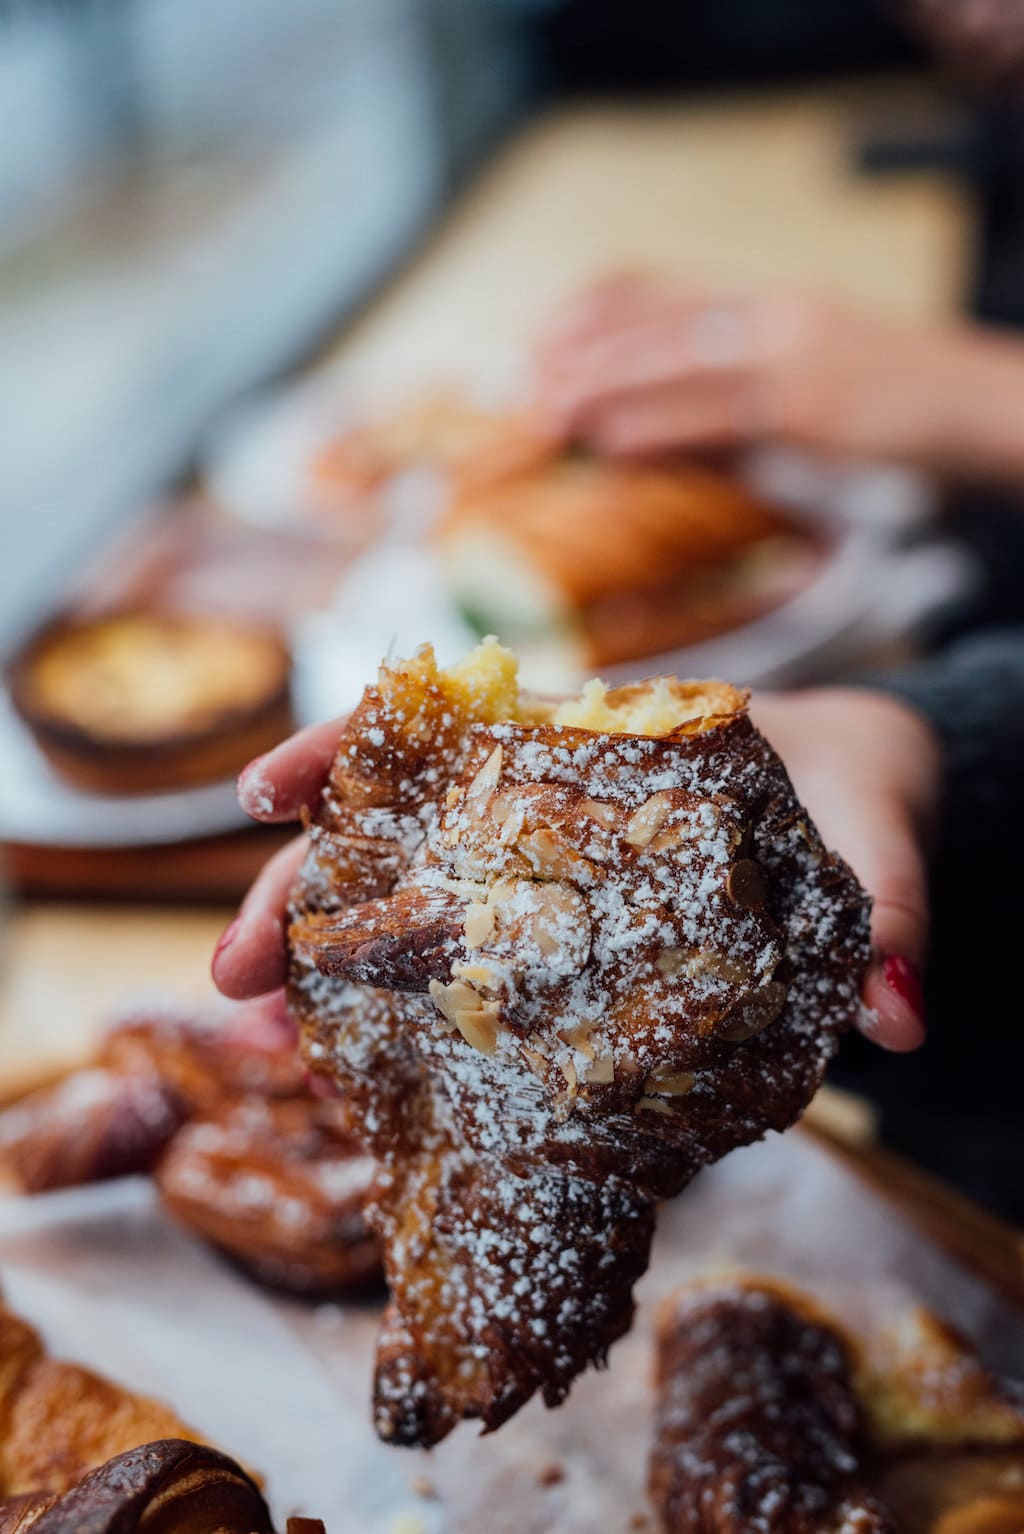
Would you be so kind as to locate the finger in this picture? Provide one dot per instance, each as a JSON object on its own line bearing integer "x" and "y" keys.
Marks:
{"x": 695, "y": 349}
{"x": 276, "y": 787}
{"x": 611, "y": 300}
{"x": 707, "y": 414}
{"x": 893, "y": 1014}
{"x": 888, "y": 860}
{"x": 251, "y": 957}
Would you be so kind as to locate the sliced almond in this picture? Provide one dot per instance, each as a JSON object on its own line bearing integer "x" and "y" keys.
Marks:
{"x": 747, "y": 885}
{"x": 478, "y": 976}
{"x": 652, "y": 1105}
{"x": 605, "y": 814}
{"x": 706, "y": 960}
{"x": 479, "y": 924}
{"x": 645, "y": 823}
{"x": 579, "y": 1038}
{"x": 600, "y": 1071}
{"x": 551, "y": 858}
{"x": 454, "y": 998}
{"x": 672, "y": 1084}
{"x": 572, "y": 1081}
{"x": 674, "y": 961}
{"x": 486, "y": 780}
{"x": 479, "y": 1027}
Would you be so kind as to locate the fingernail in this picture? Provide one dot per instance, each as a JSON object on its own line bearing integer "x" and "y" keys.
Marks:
{"x": 901, "y": 976}
{"x": 227, "y": 937}
{"x": 255, "y": 790}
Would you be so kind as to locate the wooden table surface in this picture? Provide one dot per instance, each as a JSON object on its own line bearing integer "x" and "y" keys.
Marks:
{"x": 740, "y": 191}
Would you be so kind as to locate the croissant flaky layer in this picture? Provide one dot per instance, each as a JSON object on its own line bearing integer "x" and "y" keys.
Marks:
{"x": 773, "y": 1416}
{"x": 559, "y": 957}
{"x": 241, "y": 1151}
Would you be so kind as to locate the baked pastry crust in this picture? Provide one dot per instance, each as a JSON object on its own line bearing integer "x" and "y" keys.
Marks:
{"x": 555, "y": 970}
{"x": 137, "y": 702}
{"x": 242, "y": 1153}
{"x": 773, "y": 1415}
{"x": 58, "y": 1420}
{"x": 627, "y": 559}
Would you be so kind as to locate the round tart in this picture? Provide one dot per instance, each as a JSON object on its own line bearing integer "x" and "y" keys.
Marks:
{"x": 136, "y": 702}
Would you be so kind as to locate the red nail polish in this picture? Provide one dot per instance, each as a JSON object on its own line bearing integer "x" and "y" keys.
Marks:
{"x": 227, "y": 937}
{"x": 901, "y": 976}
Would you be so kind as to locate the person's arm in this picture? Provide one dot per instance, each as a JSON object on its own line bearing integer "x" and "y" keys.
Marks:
{"x": 640, "y": 366}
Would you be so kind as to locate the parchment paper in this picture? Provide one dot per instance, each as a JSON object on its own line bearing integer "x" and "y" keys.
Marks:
{"x": 285, "y": 1387}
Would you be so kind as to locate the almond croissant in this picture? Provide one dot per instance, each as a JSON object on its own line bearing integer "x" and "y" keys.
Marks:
{"x": 559, "y": 957}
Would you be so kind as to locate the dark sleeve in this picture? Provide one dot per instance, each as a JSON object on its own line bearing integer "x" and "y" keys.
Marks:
{"x": 973, "y": 696}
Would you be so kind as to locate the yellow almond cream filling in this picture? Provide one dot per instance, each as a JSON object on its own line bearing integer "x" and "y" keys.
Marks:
{"x": 485, "y": 686}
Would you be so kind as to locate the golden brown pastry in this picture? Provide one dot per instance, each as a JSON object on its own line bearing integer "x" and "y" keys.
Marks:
{"x": 136, "y": 702}
{"x": 241, "y": 1151}
{"x": 81, "y": 1455}
{"x": 58, "y": 1420}
{"x": 150, "y": 1074}
{"x": 773, "y": 1416}
{"x": 611, "y": 562}
{"x": 558, "y": 957}
{"x": 441, "y": 429}
{"x": 280, "y": 1187}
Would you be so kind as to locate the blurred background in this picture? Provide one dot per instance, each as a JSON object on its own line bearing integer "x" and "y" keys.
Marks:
{"x": 269, "y": 277}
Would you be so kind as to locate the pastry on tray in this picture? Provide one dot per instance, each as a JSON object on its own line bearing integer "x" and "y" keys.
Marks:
{"x": 441, "y": 429}
{"x": 242, "y": 1153}
{"x": 595, "y": 563}
{"x": 137, "y": 702}
{"x": 773, "y": 1416}
{"x": 558, "y": 957}
{"x": 82, "y": 1455}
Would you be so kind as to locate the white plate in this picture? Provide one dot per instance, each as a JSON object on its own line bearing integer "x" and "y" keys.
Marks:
{"x": 37, "y": 808}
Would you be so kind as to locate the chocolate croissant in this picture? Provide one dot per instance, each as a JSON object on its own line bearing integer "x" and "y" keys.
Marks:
{"x": 174, "y": 1485}
{"x": 558, "y": 957}
{"x": 773, "y": 1416}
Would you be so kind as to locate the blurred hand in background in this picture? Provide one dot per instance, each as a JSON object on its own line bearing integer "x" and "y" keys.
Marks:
{"x": 643, "y": 365}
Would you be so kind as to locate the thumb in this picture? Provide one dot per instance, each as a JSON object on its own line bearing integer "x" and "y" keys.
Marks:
{"x": 890, "y": 863}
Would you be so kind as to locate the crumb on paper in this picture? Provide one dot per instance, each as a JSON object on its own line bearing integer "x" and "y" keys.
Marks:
{"x": 639, "y": 1522}
{"x": 551, "y": 1474}
{"x": 423, "y": 1486}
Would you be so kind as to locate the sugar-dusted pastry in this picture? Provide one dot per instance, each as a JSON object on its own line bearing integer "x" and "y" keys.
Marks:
{"x": 280, "y": 1187}
{"x": 773, "y": 1416}
{"x": 135, "y": 702}
{"x": 597, "y": 563}
{"x": 241, "y": 1150}
{"x": 558, "y": 957}
{"x": 151, "y": 1072}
